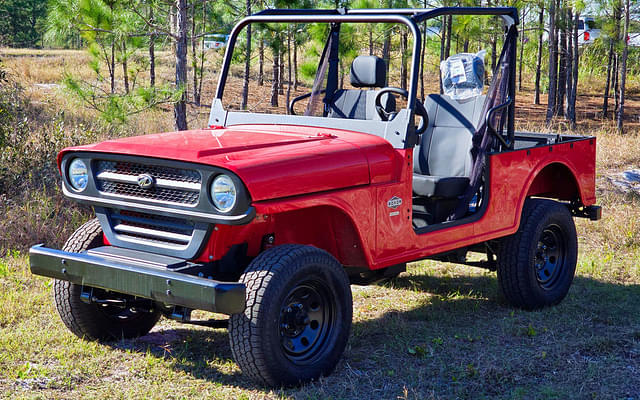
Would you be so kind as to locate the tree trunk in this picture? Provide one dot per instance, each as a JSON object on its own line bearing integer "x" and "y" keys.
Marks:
{"x": 180, "y": 107}
{"x": 607, "y": 86}
{"x": 204, "y": 29}
{"x": 125, "y": 67}
{"x": 247, "y": 62}
{"x": 288, "y": 67}
{"x": 562, "y": 71}
{"x": 274, "y": 82}
{"x": 281, "y": 71}
{"x": 295, "y": 64}
{"x": 616, "y": 68}
{"x": 152, "y": 52}
{"x": 536, "y": 98}
{"x": 173, "y": 22}
{"x": 112, "y": 67}
{"x": 569, "y": 62}
{"x": 386, "y": 53}
{"x": 194, "y": 58}
{"x": 553, "y": 63}
{"x": 576, "y": 63}
{"x": 521, "y": 50}
{"x": 623, "y": 71}
{"x": 261, "y": 63}
{"x": 447, "y": 45}
{"x": 617, "y": 14}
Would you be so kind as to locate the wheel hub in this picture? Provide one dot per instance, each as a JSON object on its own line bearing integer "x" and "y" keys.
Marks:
{"x": 305, "y": 321}
{"x": 548, "y": 259}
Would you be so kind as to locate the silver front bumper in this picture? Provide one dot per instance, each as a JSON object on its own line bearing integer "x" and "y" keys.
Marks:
{"x": 138, "y": 276}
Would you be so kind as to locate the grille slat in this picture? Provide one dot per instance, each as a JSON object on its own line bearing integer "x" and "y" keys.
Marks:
{"x": 172, "y": 185}
{"x": 152, "y": 228}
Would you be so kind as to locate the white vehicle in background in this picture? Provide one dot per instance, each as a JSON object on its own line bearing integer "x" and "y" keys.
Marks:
{"x": 215, "y": 41}
{"x": 588, "y": 30}
{"x": 634, "y": 39}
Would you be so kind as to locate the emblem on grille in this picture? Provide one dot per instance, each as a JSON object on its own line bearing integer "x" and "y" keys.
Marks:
{"x": 145, "y": 181}
{"x": 394, "y": 202}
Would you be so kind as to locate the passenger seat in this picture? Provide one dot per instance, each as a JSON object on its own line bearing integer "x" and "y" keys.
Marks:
{"x": 442, "y": 160}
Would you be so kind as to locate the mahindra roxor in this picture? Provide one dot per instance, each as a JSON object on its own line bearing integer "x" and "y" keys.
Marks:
{"x": 270, "y": 217}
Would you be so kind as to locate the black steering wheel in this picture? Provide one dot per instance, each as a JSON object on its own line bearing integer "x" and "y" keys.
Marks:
{"x": 419, "y": 109}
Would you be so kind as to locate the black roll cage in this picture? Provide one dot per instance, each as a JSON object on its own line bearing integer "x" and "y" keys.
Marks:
{"x": 409, "y": 17}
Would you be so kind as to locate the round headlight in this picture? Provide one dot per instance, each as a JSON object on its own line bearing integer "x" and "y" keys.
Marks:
{"x": 78, "y": 174}
{"x": 223, "y": 193}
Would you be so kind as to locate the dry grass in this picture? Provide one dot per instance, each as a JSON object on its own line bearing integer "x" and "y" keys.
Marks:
{"x": 438, "y": 331}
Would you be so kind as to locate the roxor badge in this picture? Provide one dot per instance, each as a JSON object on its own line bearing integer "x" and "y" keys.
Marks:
{"x": 145, "y": 181}
{"x": 394, "y": 202}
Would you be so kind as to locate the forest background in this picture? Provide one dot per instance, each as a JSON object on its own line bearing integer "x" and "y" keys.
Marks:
{"x": 80, "y": 71}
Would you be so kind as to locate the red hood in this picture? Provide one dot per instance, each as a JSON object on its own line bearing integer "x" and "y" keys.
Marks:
{"x": 273, "y": 161}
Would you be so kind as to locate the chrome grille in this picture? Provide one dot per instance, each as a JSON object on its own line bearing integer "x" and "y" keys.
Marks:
{"x": 172, "y": 185}
{"x": 152, "y": 228}
{"x": 159, "y": 172}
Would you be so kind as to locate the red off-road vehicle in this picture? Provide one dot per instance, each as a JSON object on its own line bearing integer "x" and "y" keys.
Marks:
{"x": 269, "y": 218}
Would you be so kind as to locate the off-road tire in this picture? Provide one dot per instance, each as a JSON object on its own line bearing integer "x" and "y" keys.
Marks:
{"x": 258, "y": 336}
{"x": 536, "y": 265}
{"x": 91, "y": 321}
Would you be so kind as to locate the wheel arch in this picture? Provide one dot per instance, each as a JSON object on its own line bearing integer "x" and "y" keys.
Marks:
{"x": 324, "y": 226}
{"x": 555, "y": 180}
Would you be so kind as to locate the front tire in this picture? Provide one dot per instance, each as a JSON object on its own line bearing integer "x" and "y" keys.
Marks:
{"x": 94, "y": 321}
{"x": 298, "y": 316}
{"x": 536, "y": 265}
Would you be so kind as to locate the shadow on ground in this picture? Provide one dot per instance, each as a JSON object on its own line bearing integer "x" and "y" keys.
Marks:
{"x": 462, "y": 341}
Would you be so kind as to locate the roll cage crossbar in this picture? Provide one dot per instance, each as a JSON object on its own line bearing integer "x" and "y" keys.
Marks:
{"x": 409, "y": 17}
{"x": 508, "y": 14}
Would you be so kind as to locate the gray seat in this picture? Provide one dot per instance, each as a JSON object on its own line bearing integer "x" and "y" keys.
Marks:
{"x": 366, "y": 72}
{"x": 442, "y": 160}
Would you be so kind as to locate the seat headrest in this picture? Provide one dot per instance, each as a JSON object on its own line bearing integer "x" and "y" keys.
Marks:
{"x": 368, "y": 71}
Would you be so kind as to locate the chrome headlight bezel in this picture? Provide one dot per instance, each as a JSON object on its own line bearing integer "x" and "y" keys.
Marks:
{"x": 78, "y": 180}
{"x": 224, "y": 193}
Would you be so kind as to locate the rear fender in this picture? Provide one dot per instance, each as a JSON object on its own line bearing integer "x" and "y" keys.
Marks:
{"x": 556, "y": 181}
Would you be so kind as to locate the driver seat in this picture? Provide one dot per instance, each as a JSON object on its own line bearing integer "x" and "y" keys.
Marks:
{"x": 366, "y": 72}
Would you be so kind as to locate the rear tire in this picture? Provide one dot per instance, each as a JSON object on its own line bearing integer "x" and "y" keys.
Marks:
{"x": 536, "y": 265}
{"x": 298, "y": 316}
{"x": 93, "y": 321}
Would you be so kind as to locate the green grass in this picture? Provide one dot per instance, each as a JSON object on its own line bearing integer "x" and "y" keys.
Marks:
{"x": 440, "y": 331}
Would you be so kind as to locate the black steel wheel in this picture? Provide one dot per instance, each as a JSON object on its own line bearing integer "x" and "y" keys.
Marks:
{"x": 298, "y": 316}
{"x": 536, "y": 265}
{"x": 99, "y": 321}
{"x": 549, "y": 257}
{"x": 307, "y": 318}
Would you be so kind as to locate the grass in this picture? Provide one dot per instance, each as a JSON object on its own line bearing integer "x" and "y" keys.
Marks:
{"x": 438, "y": 331}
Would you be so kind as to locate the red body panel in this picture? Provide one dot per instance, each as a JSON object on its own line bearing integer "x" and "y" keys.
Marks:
{"x": 330, "y": 188}
{"x": 388, "y": 237}
{"x": 273, "y": 161}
